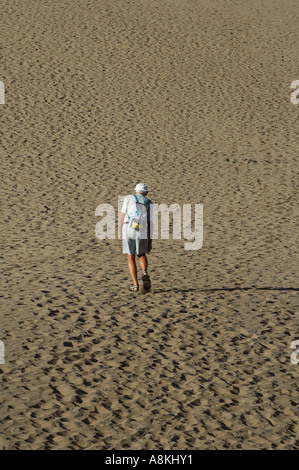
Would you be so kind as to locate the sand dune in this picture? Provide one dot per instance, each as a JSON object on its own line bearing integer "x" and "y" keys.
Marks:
{"x": 193, "y": 98}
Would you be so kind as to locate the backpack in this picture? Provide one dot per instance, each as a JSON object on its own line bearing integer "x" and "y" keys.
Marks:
{"x": 138, "y": 220}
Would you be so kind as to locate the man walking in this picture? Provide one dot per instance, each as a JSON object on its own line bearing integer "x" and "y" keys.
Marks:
{"x": 134, "y": 229}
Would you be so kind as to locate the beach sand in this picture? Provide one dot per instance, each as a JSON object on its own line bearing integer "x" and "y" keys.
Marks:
{"x": 192, "y": 98}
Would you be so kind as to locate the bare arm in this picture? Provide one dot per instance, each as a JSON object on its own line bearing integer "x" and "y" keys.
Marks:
{"x": 120, "y": 224}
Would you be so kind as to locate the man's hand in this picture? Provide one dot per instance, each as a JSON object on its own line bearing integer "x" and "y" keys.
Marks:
{"x": 119, "y": 237}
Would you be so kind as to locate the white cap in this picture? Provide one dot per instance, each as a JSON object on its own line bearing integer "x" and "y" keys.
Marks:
{"x": 141, "y": 187}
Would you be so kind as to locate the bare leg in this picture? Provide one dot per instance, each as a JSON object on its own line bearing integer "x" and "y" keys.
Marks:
{"x": 143, "y": 262}
{"x": 132, "y": 268}
{"x": 145, "y": 277}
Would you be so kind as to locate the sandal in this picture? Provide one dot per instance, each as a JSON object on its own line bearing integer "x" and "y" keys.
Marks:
{"x": 134, "y": 288}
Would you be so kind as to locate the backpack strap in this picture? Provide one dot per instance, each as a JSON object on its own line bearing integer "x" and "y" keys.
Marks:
{"x": 137, "y": 200}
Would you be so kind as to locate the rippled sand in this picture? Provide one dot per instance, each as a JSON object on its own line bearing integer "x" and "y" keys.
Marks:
{"x": 193, "y": 98}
